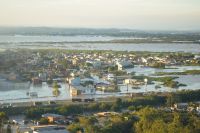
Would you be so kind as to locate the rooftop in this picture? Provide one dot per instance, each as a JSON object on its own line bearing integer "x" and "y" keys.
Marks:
{"x": 51, "y": 115}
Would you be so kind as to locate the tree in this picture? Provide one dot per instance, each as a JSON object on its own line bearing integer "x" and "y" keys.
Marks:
{"x": 118, "y": 101}
{"x": 172, "y": 99}
{"x": 176, "y": 126}
{"x": 2, "y": 118}
{"x": 56, "y": 91}
{"x": 44, "y": 121}
{"x": 84, "y": 124}
{"x": 75, "y": 128}
{"x": 8, "y": 129}
{"x": 158, "y": 126}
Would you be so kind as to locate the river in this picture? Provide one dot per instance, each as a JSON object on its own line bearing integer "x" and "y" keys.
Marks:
{"x": 77, "y": 43}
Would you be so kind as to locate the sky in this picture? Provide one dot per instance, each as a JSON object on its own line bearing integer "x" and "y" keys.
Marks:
{"x": 134, "y": 14}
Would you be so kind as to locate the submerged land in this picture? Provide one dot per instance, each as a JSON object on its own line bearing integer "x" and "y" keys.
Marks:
{"x": 99, "y": 80}
{"x": 103, "y": 91}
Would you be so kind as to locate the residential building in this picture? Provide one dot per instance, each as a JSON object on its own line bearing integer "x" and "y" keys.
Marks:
{"x": 49, "y": 129}
{"x": 124, "y": 64}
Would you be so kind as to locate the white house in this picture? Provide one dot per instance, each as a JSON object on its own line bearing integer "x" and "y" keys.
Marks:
{"x": 110, "y": 77}
{"x": 124, "y": 64}
{"x": 81, "y": 90}
{"x": 77, "y": 89}
{"x": 49, "y": 129}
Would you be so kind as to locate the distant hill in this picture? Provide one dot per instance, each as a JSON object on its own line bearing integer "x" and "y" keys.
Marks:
{"x": 85, "y": 31}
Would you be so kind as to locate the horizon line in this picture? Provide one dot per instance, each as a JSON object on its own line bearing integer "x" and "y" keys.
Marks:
{"x": 106, "y": 28}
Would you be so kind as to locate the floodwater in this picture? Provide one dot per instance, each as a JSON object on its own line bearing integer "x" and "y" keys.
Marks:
{"x": 43, "y": 91}
{"x": 192, "y": 81}
{"x": 19, "y": 93}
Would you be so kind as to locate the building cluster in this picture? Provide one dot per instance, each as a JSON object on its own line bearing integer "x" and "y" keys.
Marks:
{"x": 195, "y": 107}
{"x": 85, "y": 71}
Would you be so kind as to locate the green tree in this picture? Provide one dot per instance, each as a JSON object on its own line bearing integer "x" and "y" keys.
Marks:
{"x": 8, "y": 129}
{"x": 2, "y": 119}
{"x": 75, "y": 128}
{"x": 44, "y": 121}
{"x": 176, "y": 126}
{"x": 88, "y": 124}
{"x": 56, "y": 91}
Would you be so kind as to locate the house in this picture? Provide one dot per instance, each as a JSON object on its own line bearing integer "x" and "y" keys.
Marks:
{"x": 87, "y": 81}
{"x": 181, "y": 106}
{"x": 52, "y": 117}
{"x": 110, "y": 77}
{"x": 124, "y": 64}
{"x": 42, "y": 76}
{"x": 104, "y": 114}
{"x": 75, "y": 81}
{"x": 128, "y": 81}
{"x": 133, "y": 82}
{"x": 198, "y": 109}
{"x": 12, "y": 76}
{"x": 36, "y": 81}
{"x": 78, "y": 90}
{"x": 75, "y": 61}
{"x": 102, "y": 85}
{"x": 196, "y": 57}
{"x": 74, "y": 91}
{"x": 48, "y": 129}
{"x": 94, "y": 64}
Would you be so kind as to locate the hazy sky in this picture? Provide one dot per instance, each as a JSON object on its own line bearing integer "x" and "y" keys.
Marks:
{"x": 135, "y": 14}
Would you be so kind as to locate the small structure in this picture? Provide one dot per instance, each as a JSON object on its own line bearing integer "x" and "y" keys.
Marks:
{"x": 33, "y": 94}
{"x": 78, "y": 90}
{"x": 75, "y": 81}
{"x": 36, "y": 81}
{"x": 124, "y": 64}
{"x": 198, "y": 110}
{"x": 181, "y": 106}
{"x": 49, "y": 129}
{"x": 12, "y": 76}
{"x": 110, "y": 77}
{"x": 95, "y": 64}
{"x": 104, "y": 114}
{"x": 53, "y": 117}
{"x": 74, "y": 91}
